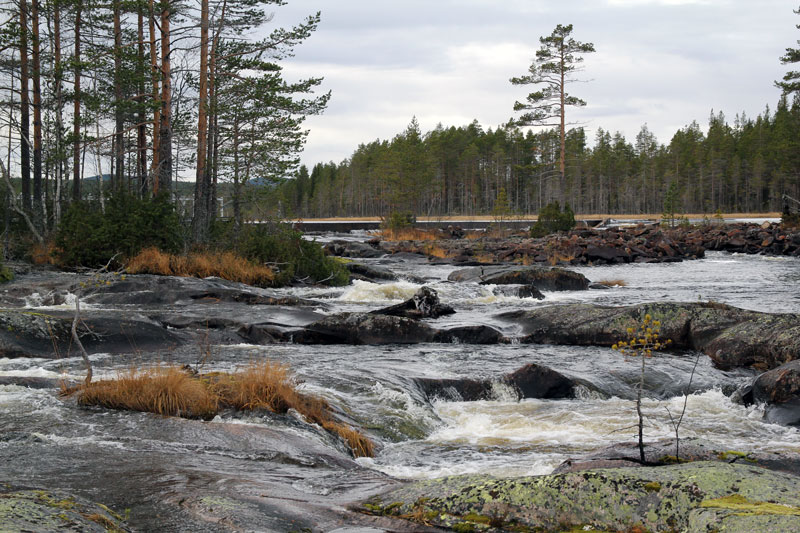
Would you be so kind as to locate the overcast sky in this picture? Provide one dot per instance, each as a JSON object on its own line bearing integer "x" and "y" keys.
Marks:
{"x": 660, "y": 62}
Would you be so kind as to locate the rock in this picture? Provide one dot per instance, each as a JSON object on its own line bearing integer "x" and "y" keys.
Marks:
{"x": 732, "y": 337}
{"x": 369, "y": 273}
{"x": 365, "y": 328}
{"x": 779, "y": 388}
{"x": 663, "y": 452}
{"x": 530, "y": 381}
{"x": 536, "y": 381}
{"x": 352, "y": 249}
{"x": 48, "y": 335}
{"x": 518, "y": 291}
{"x": 687, "y": 497}
{"x": 54, "y": 511}
{"x": 546, "y": 279}
{"x": 34, "y": 382}
{"x": 470, "y": 335}
{"x": 424, "y": 304}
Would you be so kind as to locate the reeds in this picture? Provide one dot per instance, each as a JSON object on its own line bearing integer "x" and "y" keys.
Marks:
{"x": 225, "y": 265}
{"x": 173, "y": 391}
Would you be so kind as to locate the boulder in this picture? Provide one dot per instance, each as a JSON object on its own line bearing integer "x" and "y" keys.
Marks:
{"x": 364, "y": 272}
{"x": 701, "y": 496}
{"x": 424, "y": 304}
{"x": 518, "y": 291}
{"x": 545, "y": 279}
{"x": 779, "y": 388}
{"x": 35, "y": 334}
{"x": 732, "y": 337}
{"x": 530, "y": 381}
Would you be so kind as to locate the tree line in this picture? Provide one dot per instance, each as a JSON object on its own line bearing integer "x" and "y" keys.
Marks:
{"x": 743, "y": 166}
{"x": 139, "y": 94}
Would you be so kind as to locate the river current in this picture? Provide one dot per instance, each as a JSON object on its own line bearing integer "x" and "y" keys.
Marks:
{"x": 417, "y": 438}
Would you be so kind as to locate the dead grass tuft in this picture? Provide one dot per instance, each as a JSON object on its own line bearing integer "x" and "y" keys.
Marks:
{"x": 437, "y": 251}
{"x": 225, "y": 265}
{"x": 164, "y": 391}
{"x": 409, "y": 234}
{"x": 42, "y": 254}
{"x": 174, "y": 391}
{"x": 613, "y": 282}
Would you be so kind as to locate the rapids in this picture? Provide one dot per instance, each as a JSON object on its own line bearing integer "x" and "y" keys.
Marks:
{"x": 220, "y": 469}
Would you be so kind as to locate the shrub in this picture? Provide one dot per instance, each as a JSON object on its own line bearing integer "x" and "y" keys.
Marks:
{"x": 551, "y": 219}
{"x": 398, "y": 220}
{"x": 293, "y": 257}
{"x": 89, "y": 237}
{"x": 5, "y": 274}
{"x": 225, "y": 265}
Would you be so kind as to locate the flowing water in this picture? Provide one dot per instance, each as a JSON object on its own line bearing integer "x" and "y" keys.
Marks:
{"x": 45, "y": 437}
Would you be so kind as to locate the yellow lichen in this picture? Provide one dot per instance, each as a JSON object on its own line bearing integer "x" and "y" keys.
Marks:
{"x": 744, "y": 507}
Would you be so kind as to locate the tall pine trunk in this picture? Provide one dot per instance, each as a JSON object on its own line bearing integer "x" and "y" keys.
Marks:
{"x": 201, "y": 190}
{"x": 76, "y": 114}
{"x": 24, "y": 103}
{"x": 165, "y": 128}
{"x": 141, "y": 136}
{"x": 38, "y": 211}
{"x": 119, "y": 138}
{"x": 156, "y": 73}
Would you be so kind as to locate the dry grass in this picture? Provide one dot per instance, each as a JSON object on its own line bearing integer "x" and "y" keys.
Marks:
{"x": 225, "y": 265}
{"x": 437, "y": 251}
{"x": 175, "y": 391}
{"x": 164, "y": 391}
{"x": 409, "y": 234}
{"x": 613, "y": 282}
{"x": 42, "y": 254}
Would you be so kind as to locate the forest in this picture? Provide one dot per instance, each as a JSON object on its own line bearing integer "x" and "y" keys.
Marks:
{"x": 743, "y": 166}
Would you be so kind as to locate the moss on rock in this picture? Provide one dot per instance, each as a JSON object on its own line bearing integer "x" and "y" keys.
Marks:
{"x": 47, "y": 511}
{"x": 667, "y": 498}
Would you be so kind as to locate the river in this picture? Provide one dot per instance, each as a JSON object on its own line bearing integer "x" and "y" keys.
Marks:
{"x": 153, "y": 465}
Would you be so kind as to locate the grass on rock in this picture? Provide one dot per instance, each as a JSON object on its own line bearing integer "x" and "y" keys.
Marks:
{"x": 174, "y": 391}
{"x": 225, "y": 265}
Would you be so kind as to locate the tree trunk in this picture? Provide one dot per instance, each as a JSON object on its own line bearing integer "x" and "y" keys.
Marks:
{"x": 38, "y": 211}
{"x": 201, "y": 189}
{"x": 562, "y": 132}
{"x": 141, "y": 136}
{"x": 24, "y": 103}
{"x": 76, "y": 115}
{"x": 155, "y": 72}
{"x": 58, "y": 68}
{"x": 119, "y": 138}
{"x": 165, "y": 129}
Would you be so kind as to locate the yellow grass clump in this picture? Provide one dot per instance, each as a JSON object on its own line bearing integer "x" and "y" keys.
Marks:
{"x": 409, "y": 234}
{"x": 613, "y": 282}
{"x": 173, "y": 391}
{"x": 436, "y": 251}
{"x": 225, "y": 265}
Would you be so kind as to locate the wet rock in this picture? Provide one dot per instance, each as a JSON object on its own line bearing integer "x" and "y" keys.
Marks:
{"x": 546, "y": 279}
{"x": 365, "y": 328}
{"x": 686, "y": 497}
{"x": 732, "y": 337}
{"x": 47, "y": 511}
{"x": 779, "y": 388}
{"x": 530, "y": 381}
{"x": 518, "y": 291}
{"x": 364, "y": 272}
{"x": 470, "y": 335}
{"x": 664, "y": 451}
{"x": 352, "y": 249}
{"x": 424, "y": 304}
{"x": 34, "y": 334}
{"x": 34, "y": 382}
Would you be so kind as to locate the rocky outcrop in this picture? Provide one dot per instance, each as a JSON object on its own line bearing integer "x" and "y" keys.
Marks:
{"x": 645, "y": 243}
{"x": 54, "y": 511}
{"x": 35, "y": 334}
{"x": 424, "y": 304}
{"x": 544, "y": 279}
{"x": 779, "y": 388}
{"x": 664, "y": 451}
{"x": 371, "y": 273}
{"x": 368, "y": 328}
{"x": 732, "y": 337}
{"x": 700, "y": 496}
{"x": 352, "y": 249}
{"x": 530, "y": 381}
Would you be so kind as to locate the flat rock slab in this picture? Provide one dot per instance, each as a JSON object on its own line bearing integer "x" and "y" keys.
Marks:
{"x": 732, "y": 337}
{"x": 25, "y": 333}
{"x": 686, "y": 497}
{"x": 54, "y": 511}
{"x": 544, "y": 279}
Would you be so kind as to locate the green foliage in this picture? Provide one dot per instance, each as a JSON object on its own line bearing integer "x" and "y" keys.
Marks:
{"x": 552, "y": 219}
{"x": 501, "y": 210}
{"x": 89, "y": 237}
{"x": 670, "y": 205}
{"x": 398, "y": 220}
{"x": 294, "y": 257}
{"x": 5, "y": 274}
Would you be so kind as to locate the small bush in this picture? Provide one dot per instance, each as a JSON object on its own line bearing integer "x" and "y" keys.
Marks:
{"x": 397, "y": 220}
{"x": 5, "y": 274}
{"x": 89, "y": 237}
{"x": 551, "y": 219}
{"x": 293, "y": 257}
